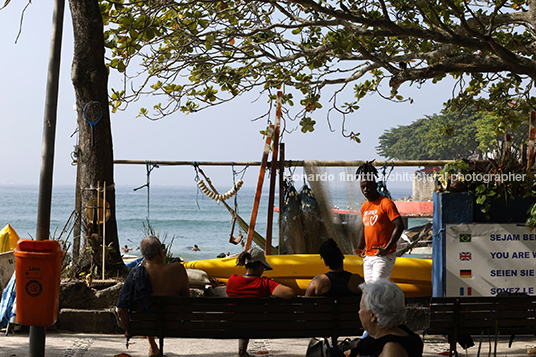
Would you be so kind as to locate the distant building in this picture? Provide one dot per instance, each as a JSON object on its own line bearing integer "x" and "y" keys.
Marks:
{"x": 424, "y": 184}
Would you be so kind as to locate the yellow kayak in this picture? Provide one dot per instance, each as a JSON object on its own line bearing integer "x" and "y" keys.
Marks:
{"x": 414, "y": 276}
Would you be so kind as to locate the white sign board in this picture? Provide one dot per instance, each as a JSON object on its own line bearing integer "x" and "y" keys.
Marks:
{"x": 485, "y": 259}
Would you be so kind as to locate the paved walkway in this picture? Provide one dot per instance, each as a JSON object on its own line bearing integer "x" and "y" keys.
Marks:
{"x": 64, "y": 344}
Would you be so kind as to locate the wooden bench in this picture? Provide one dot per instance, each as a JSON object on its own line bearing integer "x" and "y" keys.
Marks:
{"x": 233, "y": 318}
{"x": 490, "y": 316}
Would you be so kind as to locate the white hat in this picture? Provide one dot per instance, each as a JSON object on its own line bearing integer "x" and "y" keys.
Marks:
{"x": 257, "y": 255}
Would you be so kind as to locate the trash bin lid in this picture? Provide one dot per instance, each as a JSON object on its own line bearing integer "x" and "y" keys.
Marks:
{"x": 40, "y": 246}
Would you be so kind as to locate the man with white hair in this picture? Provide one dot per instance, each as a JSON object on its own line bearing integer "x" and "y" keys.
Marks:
{"x": 155, "y": 278}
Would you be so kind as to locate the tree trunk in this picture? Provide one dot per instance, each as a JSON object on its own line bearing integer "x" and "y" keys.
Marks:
{"x": 95, "y": 161}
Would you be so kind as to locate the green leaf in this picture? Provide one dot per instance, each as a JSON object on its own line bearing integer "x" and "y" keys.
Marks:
{"x": 121, "y": 66}
{"x": 480, "y": 188}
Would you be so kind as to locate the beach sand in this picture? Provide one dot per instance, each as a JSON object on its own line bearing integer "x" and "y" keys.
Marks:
{"x": 63, "y": 344}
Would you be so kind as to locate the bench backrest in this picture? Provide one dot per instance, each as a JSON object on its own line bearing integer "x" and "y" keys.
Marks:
{"x": 488, "y": 315}
{"x": 217, "y": 317}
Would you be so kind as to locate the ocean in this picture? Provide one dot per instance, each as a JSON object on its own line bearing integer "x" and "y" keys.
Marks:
{"x": 184, "y": 214}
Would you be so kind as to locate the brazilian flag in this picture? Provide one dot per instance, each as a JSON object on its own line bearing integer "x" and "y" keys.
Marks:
{"x": 465, "y": 238}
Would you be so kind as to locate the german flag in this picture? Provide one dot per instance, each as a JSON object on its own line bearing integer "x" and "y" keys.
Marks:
{"x": 466, "y": 273}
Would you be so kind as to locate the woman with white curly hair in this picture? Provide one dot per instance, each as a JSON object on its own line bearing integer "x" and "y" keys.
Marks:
{"x": 382, "y": 312}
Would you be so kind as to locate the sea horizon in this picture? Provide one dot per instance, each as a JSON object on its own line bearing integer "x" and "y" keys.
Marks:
{"x": 187, "y": 217}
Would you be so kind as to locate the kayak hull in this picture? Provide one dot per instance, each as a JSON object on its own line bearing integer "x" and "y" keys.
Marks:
{"x": 414, "y": 276}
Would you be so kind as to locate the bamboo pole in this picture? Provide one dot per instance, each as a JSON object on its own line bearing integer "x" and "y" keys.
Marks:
{"x": 103, "y": 232}
{"x": 258, "y": 192}
{"x": 97, "y": 210}
{"x": 271, "y": 195}
{"x": 294, "y": 163}
{"x": 350, "y": 163}
{"x": 281, "y": 195}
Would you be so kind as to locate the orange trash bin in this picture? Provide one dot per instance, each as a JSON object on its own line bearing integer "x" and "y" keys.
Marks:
{"x": 38, "y": 270}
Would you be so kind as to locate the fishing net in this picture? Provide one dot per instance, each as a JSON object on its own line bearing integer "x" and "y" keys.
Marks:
{"x": 308, "y": 218}
{"x": 291, "y": 221}
{"x": 312, "y": 220}
{"x": 344, "y": 229}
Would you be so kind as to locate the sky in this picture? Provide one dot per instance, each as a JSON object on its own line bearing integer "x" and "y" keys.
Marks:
{"x": 224, "y": 133}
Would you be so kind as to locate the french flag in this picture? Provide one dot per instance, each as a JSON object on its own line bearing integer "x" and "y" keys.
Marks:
{"x": 469, "y": 291}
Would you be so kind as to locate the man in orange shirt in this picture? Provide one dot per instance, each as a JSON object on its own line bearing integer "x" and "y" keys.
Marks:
{"x": 382, "y": 227}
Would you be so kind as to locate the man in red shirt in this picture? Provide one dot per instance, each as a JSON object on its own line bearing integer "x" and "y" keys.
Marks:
{"x": 382, "y": 227}
{"x": 253, "y": 284}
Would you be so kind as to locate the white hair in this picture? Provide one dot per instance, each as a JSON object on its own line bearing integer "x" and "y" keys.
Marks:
{"x": 386, "y": 300}
{"x": 149, "y": 247}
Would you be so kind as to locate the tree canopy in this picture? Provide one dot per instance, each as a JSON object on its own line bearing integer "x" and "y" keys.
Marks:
{"x": 202, "y": 53}
{"x": 450, "y": 135}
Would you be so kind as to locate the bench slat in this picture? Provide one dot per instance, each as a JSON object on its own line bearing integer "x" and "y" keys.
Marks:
{"x": 234, "y": 325}
{"x": 484, "y": 323}
{"x": 482, "y": 299}
{"x": 246, "y": 318}
{"x": 228, "y": 334}
{"x": 497, "y": 315}
{"x": 487, "y": 331}
{"x": 140, "y": 316}
{"x": 248, "y": 308}
{"x": 455, "y": 316}
{"x": 216, "y": 317}
{"x": 251, "y": 320}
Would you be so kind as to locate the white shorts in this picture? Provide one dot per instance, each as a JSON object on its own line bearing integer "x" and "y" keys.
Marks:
{"x": 376, "y": 268}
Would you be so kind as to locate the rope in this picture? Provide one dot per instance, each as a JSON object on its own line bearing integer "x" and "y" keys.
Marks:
{"x": 234, "y": 185}
{"x": 242, "y": 173}
{"x": 231, "y": 238}
{"x": 195, "y": 164}
{"x": 76, "y": 148}
{"x": 149, "y": 168}
{"x": 438, "y": 234}
{"x": 290, "y": 170}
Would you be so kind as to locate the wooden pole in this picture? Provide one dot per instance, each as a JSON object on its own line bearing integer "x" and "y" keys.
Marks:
{"x": 281, "y": 194}
{"x": 103, "y": 232}
{"x": 77, "y": 232}
{"x": 532, "y": 134}
{"x": 37, "y": 336}
{"x": 257, "y": 201}
{"x": 96, "y": 218}
{"x": 271, "y": 195}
